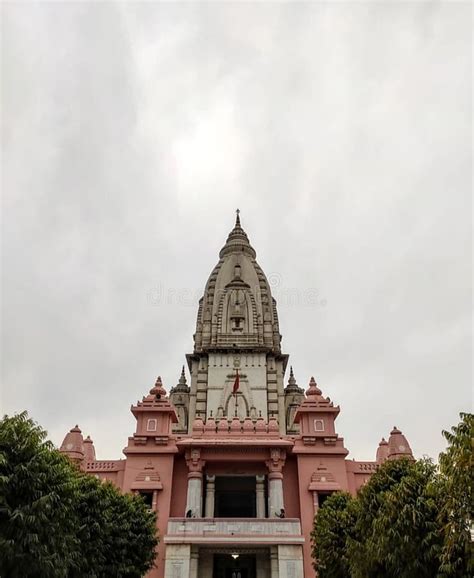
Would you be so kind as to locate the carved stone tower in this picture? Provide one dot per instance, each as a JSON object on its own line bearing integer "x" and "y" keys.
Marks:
{"x": 237, "y": 331}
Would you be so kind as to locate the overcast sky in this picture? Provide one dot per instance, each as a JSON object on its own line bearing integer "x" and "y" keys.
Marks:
{"x": 132, "y": 132}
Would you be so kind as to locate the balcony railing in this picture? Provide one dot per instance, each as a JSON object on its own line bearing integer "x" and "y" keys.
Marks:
{"x": 234, "y": 530}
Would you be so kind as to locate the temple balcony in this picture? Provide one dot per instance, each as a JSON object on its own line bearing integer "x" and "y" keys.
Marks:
{"x": 265, "y": 531}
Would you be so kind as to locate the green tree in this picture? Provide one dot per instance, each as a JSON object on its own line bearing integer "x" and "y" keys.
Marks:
{"x": 117, "y": 531}
{"x": 57, "y": 522}
{"x": 457, "y": 513}
{"x": 37, "y": 495}
{"x": 407, "y": 533}
{"x": 361, "y": 545}
{"x": 397, "y": 532}
{"x": 333, "y": 524}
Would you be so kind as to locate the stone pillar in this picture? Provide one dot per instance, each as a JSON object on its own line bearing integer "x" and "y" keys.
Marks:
{"x": 210, "y": 496}
{"x": 194, "y": 496}
{"x": 315, "y": 501}
{"x": 274, "y": 570}
{"x": 177, "y": 560}
{"x": 275, "y": 482}
{"x": 290, "y": 561}
{"x": 263, "y": 564}
{"x": 275, "y": 494}
{"x": 194, "y": 562}
{"x": 260, "y": 487}
{"x": 154, "y": 502}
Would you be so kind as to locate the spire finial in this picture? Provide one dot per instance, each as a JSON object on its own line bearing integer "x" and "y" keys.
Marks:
{"x": 291, "y": 379}
{"x": 237, "y": 240}
{"x": 182, "y": 384}
{"x": 158, "y": 390}
{"x": 313, "y": 388}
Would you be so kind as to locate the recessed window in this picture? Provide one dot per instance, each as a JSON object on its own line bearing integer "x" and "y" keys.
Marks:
{"x": 318, "y": 425}
{"x": 151, "y": 425}
{"x": 322, "y": 497}
{"x": 147, "y": 497}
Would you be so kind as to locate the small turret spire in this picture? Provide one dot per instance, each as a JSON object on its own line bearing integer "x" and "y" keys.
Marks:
{"x": 398, "y": 445}
{"x": 158, "y": 390}
{"x": 182, "y": 385}
{"x": 73, "y": 444}
{"x": 237, "y": 217}
{"x": 292, "y": 386}
{"x": 313, "y": 388}
{"x": 292, "y": 379}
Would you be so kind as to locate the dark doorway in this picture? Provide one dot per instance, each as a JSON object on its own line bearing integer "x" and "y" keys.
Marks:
{"x": 235, "y": 497}
{"x": 322, "y": 497}
{"x": 225, "y": 566}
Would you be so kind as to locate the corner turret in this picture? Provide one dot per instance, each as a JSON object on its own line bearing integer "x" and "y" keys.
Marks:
{"x": 155, "y": 416}
{"x": 179, "y": 397}
{"x": 382, "y": 452}
{"x": 316, "y": 416}
{"x": 73, "y": 445}
{"x": 294, "y": 397}
{"x": 398, "y": 446}
{"x": 89, "y": 450}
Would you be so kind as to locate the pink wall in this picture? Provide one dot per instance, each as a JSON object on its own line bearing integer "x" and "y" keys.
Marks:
{"x": 290, "y": 488}
{"x": 164, "y": 465}
{"x": 180, "y": 487}
{"x": 307, "y": 464}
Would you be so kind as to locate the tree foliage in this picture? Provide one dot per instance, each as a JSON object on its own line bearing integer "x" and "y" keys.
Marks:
{"x": 56, "y": 521}
{"x": 37, "y": 494}
{"x": 397, "y": 533}
{"x": 410, "y": 519}
{"x": 334, "y": 524}
{"x": 116, "y": 530}
{"x": 457, "y": 513}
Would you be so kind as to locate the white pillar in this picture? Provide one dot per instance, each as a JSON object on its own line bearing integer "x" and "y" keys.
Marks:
{"x": 210, "y": 496}
{"x": 290, "y": 561}
{"x": 194, "y": 497}
{"x": 177, "y": 560}
{"x": 275, "y": 494}
{"x": 274, "y": 570}
{"x": 260, "y": 488}
{"x": 315, "y": 501}
{"x": 194, "y": 562}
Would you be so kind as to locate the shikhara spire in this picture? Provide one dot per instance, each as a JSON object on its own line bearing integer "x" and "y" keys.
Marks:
{"x": 237, "y": 309}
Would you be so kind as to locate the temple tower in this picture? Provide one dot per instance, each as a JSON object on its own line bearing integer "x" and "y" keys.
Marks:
{"x": 237, "y": 332}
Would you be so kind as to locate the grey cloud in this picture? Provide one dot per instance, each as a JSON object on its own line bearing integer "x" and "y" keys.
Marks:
{"x": 131, "y": 132}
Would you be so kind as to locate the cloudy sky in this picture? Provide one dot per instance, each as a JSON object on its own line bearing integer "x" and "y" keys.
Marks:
{"x": 131, "y": 132}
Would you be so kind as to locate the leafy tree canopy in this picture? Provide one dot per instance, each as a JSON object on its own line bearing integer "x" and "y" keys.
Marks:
{"x": 410, "y": 519}
{"x": 333, "y": 525}
{"x": 457, "y": 513}
{"x": 56, "y": 521}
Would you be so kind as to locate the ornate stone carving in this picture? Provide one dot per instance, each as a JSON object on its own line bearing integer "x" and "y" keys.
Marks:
{"x": 194, "y": 462}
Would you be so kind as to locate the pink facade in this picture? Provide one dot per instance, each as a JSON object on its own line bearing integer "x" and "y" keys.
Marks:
{"x": 236, "y": 477}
